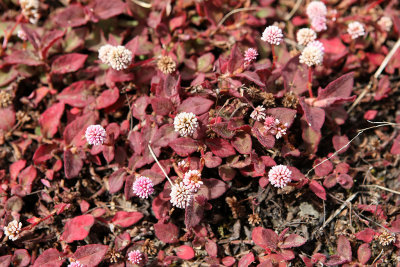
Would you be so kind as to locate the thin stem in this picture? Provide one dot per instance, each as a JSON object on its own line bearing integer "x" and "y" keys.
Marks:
{"x": 309, "y": 83}
{"x": 159, "y": 165}
{"x": 273, "y": 57}
{"x": 8, "y": 35}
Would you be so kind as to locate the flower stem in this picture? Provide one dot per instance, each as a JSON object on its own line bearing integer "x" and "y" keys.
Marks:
{"x": 273, "y": 57}
{"x": 8, "y": 34}
{"x": 309, "y": 83}
{"x": 159, "y": 165}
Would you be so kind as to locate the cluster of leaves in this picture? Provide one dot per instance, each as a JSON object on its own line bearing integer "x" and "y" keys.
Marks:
{"x": 84, "y": 194}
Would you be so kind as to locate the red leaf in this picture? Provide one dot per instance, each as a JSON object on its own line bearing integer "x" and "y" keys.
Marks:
{"x": 265, "y": 238}
{"x": 164, "y": 136}
{"x": 268, "y": 141}
{"x": 374, "y": 209}
{"x": 107, "y": 98}
{"x": 72, "y": 164}
{"x": 292, "y": 241}
{"x": 184, "y": 146}
{"x": 167, "y": 233}
{"x": 105, "y": 9}
{"x": 26, "y": 178}
{"x": 334, "y": 50}
{"x": 205, "y": 62}
{"x": 315, "y": 117}
{"x": 242, "y": 143}
{"x": 126, "y": 219}
{"x": 226, "y": 173}
{"x": 222, "y": 129}
{"x": 25, "y": 57}
{"x": 177, "y": 21}
{"x": 7, "y": 116}
{"x": 318, "y": 189}
{"x": 50, "y": 120}
{"x": 228, "y": 261}
{"x": 196, "y": 104}
{"x": 340, "y": 142}
{"x": 246, "y": 260}
{"x": 90, "y": 255}
{"x": 295, "y": 76}
{"x": 252, "y": 77}
{"x": 77, "y": 94}
{"x": 43, "y": 153}
{"x": 344, "y": 248}
{"x": 49, "y": 258}
{"x": 77, "y": 228}
{"x": 21, "y": 258}
{"x": 71, "y": 16}
{"x": 345, "y": 180}
{"x": 395, "y": 150}
{"x": 366, "y": 235}
{"x": 16, "y": 167}
{"x": 139, "y": 107}
{"x": 116, "y": 181}
{"x": 184, "y": 252}
{"x": 49, "y": 39}
{"x": 162, "y": 106}
{"x": 75, "y": 130}
{"x": 323, "y": 169}
{"x": 5, "y": 260}
{"x": 364, "y": 253}
{"x": 212, "y": 161}
{"x": 220, "y": 147}
{"x": 213, "y": 188}
{"x": 68, "y": 63}
{"x": 211, "y": 248}
{"x": 383, "y": 88}
{"x": 341, "y": 87}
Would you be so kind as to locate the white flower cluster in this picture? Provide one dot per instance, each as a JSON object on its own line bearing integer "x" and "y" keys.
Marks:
{"x": 306, "y": 36}
{"x": 181, "y": 195}
{"x": 258, "y": 113}
{"x": 117, "y": 57}
{"x": 185, "y": 123}
{"x": 30, "y": 9}
{"x": 192, "y": 179}
{"x": 313, "y": 54}
{"x": 13, "y": 229}
{"x": 355, "y": 29}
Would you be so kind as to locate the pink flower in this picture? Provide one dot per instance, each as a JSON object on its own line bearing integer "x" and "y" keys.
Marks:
{"x": 316, "y": 9}
{"x": 192, "y": 179}
{"x": 269, "y": 122}
{"x": 385, "y": 23}
{"x": 318, "y": 24}
{"x": 181, "y": 195}
{"x": 275, "y": 127}
{"x": 258, "y": 113}
{"x": 313, "y": 54}
{"x": 305, "y": 36}
{"x": 135, "y": 256}
{"x": 95, "y": 135}
{"x": 355, "y": 29}
{"x": 250, "y": 55}
{"x": 272, "y": 35}
{"x": 279, "y": 176}
{"x": 143, "y": 187}
{"x": 75, "y": 264}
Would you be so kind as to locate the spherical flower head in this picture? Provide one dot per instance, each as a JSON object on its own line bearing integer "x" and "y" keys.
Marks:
{"x": 104, "y": 53}
{"x": 318, "y": 24}
{"x": 143, "y": 187}
{"x": 272, "y": 35}
{"x": 75, "y": 264}
{"x": 270, "y": 122}
{"x": 313, "y": 54}
{"x": 192, "y": 179}
{"x": 305, "y": 36}
{"x": 166, "y": 65}
{"x": 355, "y": 29}
{"x": 135, "y": 256}
{"x": 385, "y": 23}
{"x": 181, "y": 195}
{"x": 279, "y": 176}
{"x": 119, "y": 58}
{"x": 318, "y": 45}
{"x": 280, "y": 130}
{"x": 250, "y": 55}
{"x": 95, "y": 135}
{"x": 185, "y": 123}
{"x": 22, "y": 35}
{"x": 12, "y": 230}
{"x": 316, "y": 9}
{"x": 30, "y": 9}
{"x": 258, "y": 113}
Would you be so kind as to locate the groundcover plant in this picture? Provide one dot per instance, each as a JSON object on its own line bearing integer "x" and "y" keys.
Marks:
{"x": 199, "y": 133}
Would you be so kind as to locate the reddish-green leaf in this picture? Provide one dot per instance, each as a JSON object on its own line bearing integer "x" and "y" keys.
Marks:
{"x": 68, "y": 63}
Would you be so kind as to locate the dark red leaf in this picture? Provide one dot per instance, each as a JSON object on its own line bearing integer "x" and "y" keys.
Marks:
{"x": 162, "y": 106}
{"x": 212, "y": 161}
{"x": 7, "y": 116}
{"x": 105, "y": 9}
{"x": 26, "y": 178}
{"x": 213, "y": 188}
{"x": 340, "y": 142}
{"x": 318, "y": 189}
{"x": 226, "y": 173}
{"x": 324, "y": 168}
{"x": 43, "y": 153}
{"x": 344, "y": 248}
{"x": 184, "y": 146}
{"x": 166, "y": 232}
{"x": 164, "y": 136}
{"x": 242, "y": 143}
{"x": 295, "y": 76}
{"x": 49, "y": 39}
{"x": 5, "y": 260}
{"x": 211, "y": 248}
{"x": 16, "y": 167}
{"x": 71, "y": 16}
{"x": 292, "y": 241}
{"x": 228, "y": 261}
{"x": 75, "y": 130}
{"x": 50, "y": 119}
{"x": 222, "y": 130}
{"x": 366, "y": 235}
{"x": 21, "y": 258}
{"x": 90, "y": 255}
{"x": 395, "y": 150}
{"x": 265, "y": 238}
{"x": 107, "y": 98}
{"x": 315, "y": 117}
{"x": 49, "y": 258}
{"x": 72, "y": 164}
{"x": 126, "y": 219}
{"x": 116, "y": 181}
{"x": 68, "y": 63}
{"x": 220, "y": 147}
{"x": 341, "y": 87}
{"x": 77, "y": 228}
{"x": 196, "y": 104}
{"x": 24, "y": 57}
{"x": 345, "y": 180}
{"x": 184, "y": 252}
{"x": 78, "y": 94}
